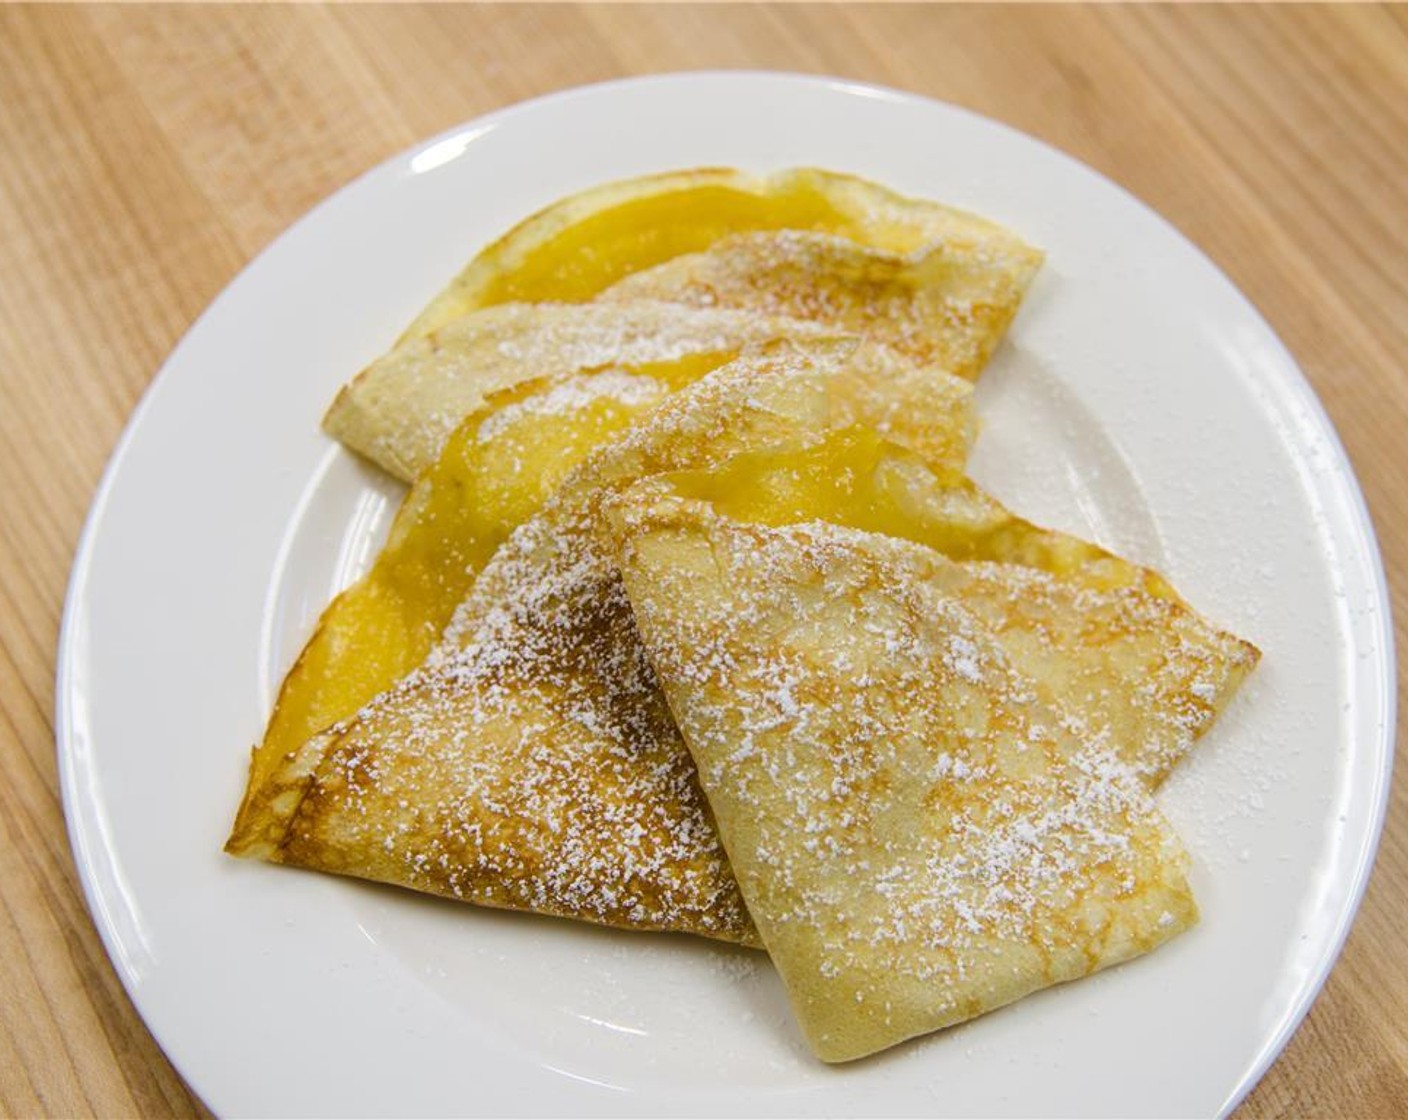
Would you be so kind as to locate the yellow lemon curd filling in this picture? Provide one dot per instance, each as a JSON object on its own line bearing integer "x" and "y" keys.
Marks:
{"x": 496, "y": 470}
{"x": 577, "y": 248}
{"x": 856, "y": 478}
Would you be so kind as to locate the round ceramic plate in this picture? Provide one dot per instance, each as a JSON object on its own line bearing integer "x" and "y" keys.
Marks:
{"x": 1140, "y": 400}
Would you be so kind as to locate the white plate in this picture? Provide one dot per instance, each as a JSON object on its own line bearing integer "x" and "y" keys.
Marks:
{"x": 1140, "y": 400}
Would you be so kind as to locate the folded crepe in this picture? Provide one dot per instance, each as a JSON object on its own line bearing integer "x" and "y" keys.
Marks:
{"x": 494, "y": 472}
{"x": 530, "y": 762}
{"x": 917, "y": 836}
{"x": 933, "y": 282}
{"x": 579, "y": 246}
{"x": 941, "y": 304}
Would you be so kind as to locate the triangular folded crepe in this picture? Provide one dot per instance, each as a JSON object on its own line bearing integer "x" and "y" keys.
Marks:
{"x": 495, "y": 471}
{"x": 579, "y": 246}
{"x": 918, "y": 838}
{"x": 531, "y": 763}
{"x": 1122, "y": 655}
{"x": 941, "y": 304}
{"x": 400, "y": 410}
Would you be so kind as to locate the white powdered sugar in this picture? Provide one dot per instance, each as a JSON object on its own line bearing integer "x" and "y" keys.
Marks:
{"x": 576, "y": 393}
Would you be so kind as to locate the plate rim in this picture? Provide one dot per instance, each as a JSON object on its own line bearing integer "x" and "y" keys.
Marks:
{"x": 1289, "y": 379}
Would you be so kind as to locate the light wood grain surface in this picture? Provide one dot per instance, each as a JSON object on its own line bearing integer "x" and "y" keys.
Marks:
{"x": 147, "y": 153}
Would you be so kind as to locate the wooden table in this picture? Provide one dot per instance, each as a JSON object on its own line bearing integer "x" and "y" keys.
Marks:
{"x": 146, "y": 154}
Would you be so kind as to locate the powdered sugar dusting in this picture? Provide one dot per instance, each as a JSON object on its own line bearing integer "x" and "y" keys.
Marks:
{"x": 928, "y": 844}
{"x": 572, "y": 394}
{"x": 532, "y": 762}
{"x": 947, "y": 303}
{"x": 403, "y": 407}
{"x": 1140, "y": 669}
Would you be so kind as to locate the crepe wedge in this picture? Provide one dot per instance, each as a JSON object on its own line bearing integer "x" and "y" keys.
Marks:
{"x": 494, "y": 472}
{"x": 917, "y": 836}
{"x": 531, "y": 763}
{"x": 578, "y": 247}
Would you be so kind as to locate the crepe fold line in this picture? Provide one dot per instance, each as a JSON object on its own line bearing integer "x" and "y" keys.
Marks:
{"x": 917, "y": 836}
